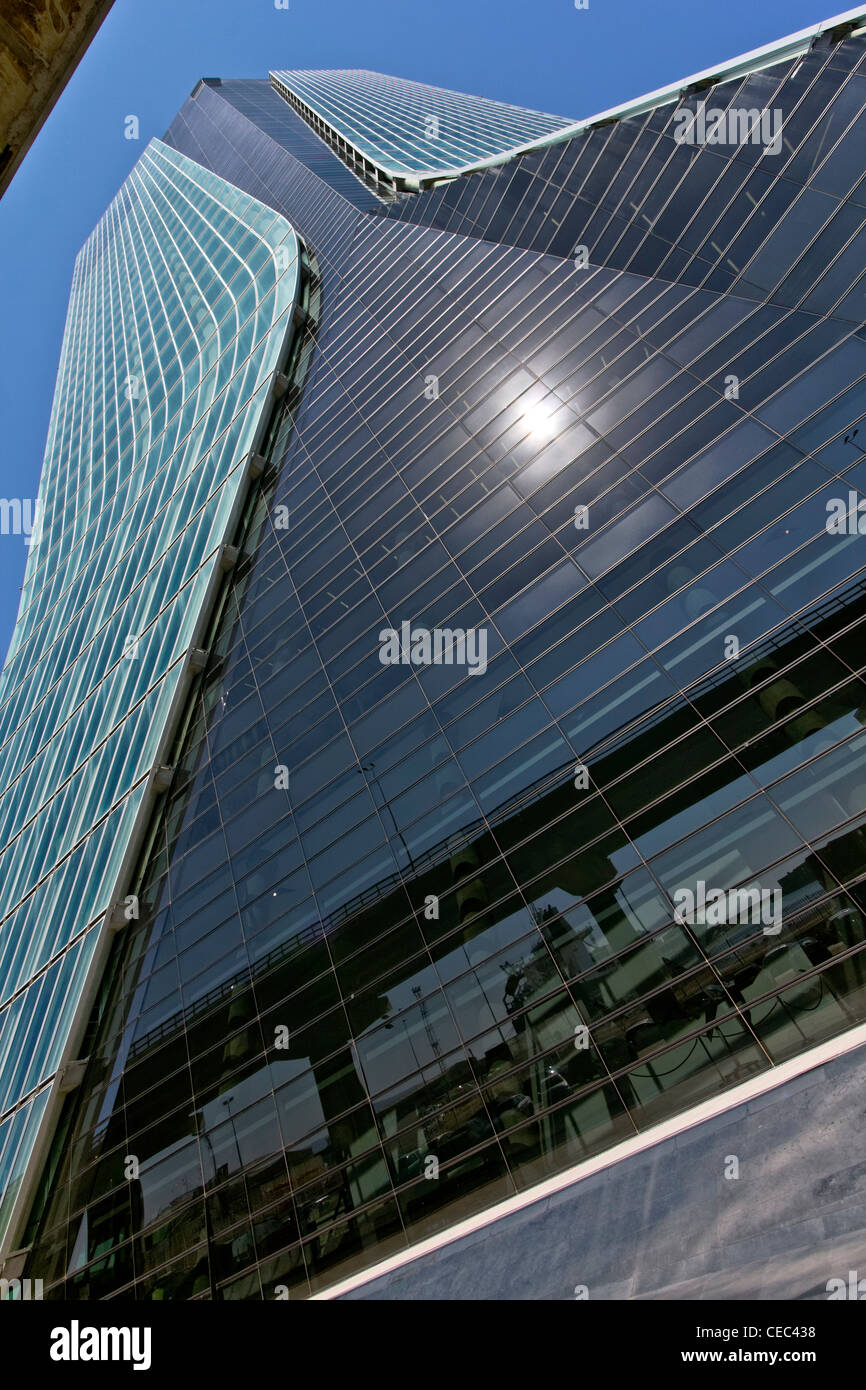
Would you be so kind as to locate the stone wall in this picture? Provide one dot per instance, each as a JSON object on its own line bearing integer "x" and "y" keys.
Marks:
{"x": 41, "y": 43}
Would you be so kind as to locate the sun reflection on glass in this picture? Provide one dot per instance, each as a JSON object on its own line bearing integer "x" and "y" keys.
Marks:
{"x": 538, "y": 420}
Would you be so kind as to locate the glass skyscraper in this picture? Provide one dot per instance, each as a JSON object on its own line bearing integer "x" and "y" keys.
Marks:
{"x": 432, "y": 742}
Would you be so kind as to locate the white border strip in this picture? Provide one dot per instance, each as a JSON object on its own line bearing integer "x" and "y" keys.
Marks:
{"x": 728, "y": 1100}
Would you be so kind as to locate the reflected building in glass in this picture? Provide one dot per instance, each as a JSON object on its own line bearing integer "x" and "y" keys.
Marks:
{"x": 374, "y": 942}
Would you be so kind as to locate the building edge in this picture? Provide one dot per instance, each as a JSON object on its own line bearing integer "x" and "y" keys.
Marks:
{"x": 693, "y": 1118}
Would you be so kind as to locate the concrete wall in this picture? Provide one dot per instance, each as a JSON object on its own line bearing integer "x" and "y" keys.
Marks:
{"x": 667, "y": 1224}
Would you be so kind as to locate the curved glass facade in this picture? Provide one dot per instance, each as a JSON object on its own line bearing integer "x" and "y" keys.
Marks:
{"x": 521, "y": 804}
{"x": 181, "y": 303}
{"x": 402, "y": 128}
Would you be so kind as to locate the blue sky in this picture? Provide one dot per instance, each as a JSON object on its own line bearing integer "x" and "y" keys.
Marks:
{"x": 149, "y": 54}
